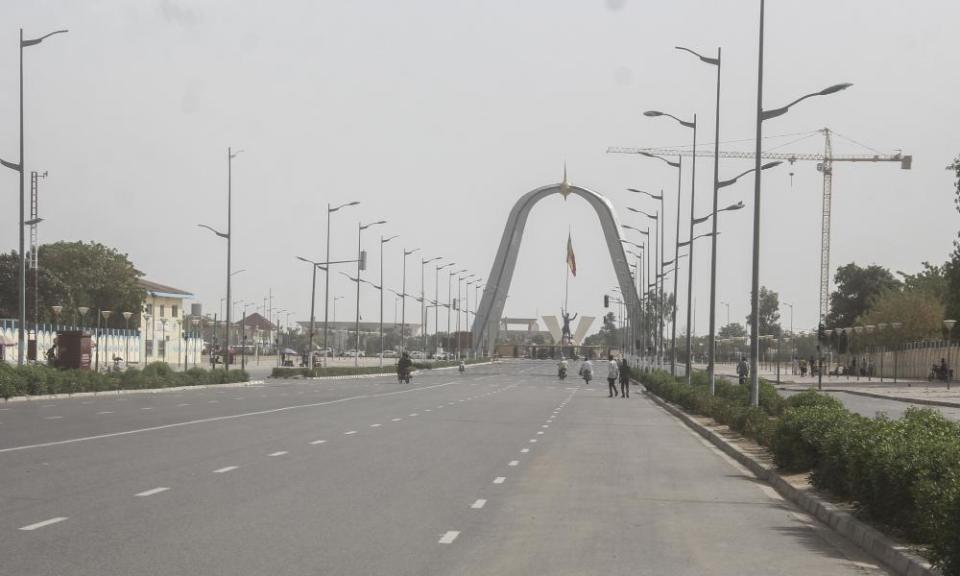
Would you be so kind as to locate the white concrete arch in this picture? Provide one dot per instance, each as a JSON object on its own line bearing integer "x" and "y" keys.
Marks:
{"x": 487, "y": 322}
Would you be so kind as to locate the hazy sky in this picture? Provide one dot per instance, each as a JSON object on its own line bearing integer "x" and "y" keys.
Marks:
{"x": 438, "y": 114}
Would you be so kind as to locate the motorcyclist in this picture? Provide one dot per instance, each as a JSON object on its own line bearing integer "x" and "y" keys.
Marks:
{"x": 586, "y": 370}
{"x": 462, "y": 366}
{"x": 403, "y": 365}
{"x": 562, "y": 368}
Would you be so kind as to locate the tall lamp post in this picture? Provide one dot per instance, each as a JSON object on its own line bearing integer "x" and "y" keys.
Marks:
{"x": 126, "y": 338}
{"x": 423, "y": 299}
{"x": 19, "y": 167}
{"x": 382, "y": 242}
{"x": 361, "y": 266}
{"x": 436, "y": 311}
{"x": 403, "y": 305}
{"x": 326, "y": 289}
{"x": 762, "y": 115}
{"x": 693, "y": 196}
{"x": 679, "y": 166}
{"x": 451, "y": 308}
{"x": 313, "y": 298}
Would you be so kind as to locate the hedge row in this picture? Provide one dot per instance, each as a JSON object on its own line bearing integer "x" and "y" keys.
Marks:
{"x": 32, "y": 380}
{"x": 286, "y": 372}
{"x": 903, "y": 474}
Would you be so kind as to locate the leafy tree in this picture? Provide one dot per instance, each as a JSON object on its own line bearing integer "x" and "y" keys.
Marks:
{"x": 769, "y": 313}
{"x": 74, "y": 274}
{"x": 608, "y": 334}
{"x": 919, "y": 310}
{"x": 856, "y": 288}
{"x": 732, "y": 330}
{"x": 932, "y": 280}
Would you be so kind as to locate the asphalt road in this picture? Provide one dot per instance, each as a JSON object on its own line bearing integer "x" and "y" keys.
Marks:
{"x": 503, "y": 470}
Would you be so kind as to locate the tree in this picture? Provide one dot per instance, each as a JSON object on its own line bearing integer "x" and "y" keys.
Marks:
{"x": 919, "y": 310}
{"x": 932, "y": 280}
{"x": 769, "y": 313}
{"x": 732, "y": 330}
{"x": 608, "y": 335}
{"x": 74, "y": 274}
{"x": 856, "y": 289}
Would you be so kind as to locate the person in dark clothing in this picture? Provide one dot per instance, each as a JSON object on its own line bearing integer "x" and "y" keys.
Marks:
{"x": 624, "y": 379}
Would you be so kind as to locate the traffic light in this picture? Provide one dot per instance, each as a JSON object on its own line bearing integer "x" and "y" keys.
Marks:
{"x": 821, "y": 333}
{"x": 455, "y": 306}
{"x": 606, "y": 301}
{"x": 363, "y": 259}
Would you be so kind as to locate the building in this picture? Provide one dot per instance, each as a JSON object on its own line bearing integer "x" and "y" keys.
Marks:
{"x": 165, "y": 326}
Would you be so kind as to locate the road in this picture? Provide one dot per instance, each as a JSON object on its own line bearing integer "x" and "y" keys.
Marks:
{"x": 502, "y": 470}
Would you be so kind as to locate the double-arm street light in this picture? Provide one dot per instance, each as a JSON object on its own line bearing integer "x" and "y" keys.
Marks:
{"x": 679, "y": 166}
{"x": 450, "y": 300}
{"x": 403, "y": 305}
{"x": 382, "y": 242}
{"x": 20, "y": 167}
{"x": 361, "y": 266}
{"x": 755, "y": 283}
{"x": 326, "y": 289}
{"x": 436, "y": 296}
{"x": 313, "y": 298}
{"x": 423, "y": 298}
{"x": 693, "y": 196}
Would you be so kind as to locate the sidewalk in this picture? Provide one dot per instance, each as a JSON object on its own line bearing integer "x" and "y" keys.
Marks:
{"x": 914, "y": 391}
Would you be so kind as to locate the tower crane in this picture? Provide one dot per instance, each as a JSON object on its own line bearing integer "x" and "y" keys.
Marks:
{"x": 824, "y": 164}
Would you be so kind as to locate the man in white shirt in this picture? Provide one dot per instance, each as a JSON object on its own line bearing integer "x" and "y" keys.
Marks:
{"x": 613, "y": 373}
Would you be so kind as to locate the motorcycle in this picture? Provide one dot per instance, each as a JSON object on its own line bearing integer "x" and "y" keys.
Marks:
{"x": 404, "y": 376}
{"x": 563, "y": 372}
{"x": 462, "y": 367}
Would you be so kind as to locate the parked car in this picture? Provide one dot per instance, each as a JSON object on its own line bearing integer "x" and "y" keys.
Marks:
{"x": 417, "y": 355}
{"x": 390, "y": 354}
{"x": 352, "y": 353}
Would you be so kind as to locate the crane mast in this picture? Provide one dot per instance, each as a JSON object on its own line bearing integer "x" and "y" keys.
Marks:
{"x": 824, "y": 164}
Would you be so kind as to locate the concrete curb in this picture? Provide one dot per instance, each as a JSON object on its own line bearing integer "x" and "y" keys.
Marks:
{"x": 924, "y": 401}
{"x": 131, "y": 391}
{"x": 381, "y": 374}
{"x": 894, "y": 556}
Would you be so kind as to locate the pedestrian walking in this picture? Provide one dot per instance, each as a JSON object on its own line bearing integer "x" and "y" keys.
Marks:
{"x": 624, "y": 379}
{"x": 743, "y": 370}
{"x": 613, "y": 373}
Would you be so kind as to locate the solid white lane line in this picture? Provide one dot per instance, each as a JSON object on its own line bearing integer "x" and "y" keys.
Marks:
{"x": 449, "y": 537}
{"x": 225, "y": 469}
{"x": 280, "y": 453}
{"x": 524, "y": 450}
{"x": 513, "y": 463}
{"x": 375, "y": 425}
{"x": 315, "y": 442}
{"x": 216, "y": 418}
{"x": 499, "y": 479}
{"x": 29, "y": 527}
{"x": 350, "y": 432}
{"x": 478, "y": 504}
{"x": 153, "y": 491}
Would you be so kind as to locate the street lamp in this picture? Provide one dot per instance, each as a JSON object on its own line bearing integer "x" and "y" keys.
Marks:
{"x": 326, "y": 290}
{"x": 703, "y": 219}
{"x": 755, "y": 283}
{"x": 83, "y": 316}
{"x": 660, "y": 236}
{"x": 361, "y": 266}
{"x": 229, "y": 304}
{"x": 948, "y": 324}
{"x": 382, "y": 242}
{"x": 126, "y": 339}
{"x": 403, "y": 305}
{"x": 693, "y": 179}
{"x": 423, "y": 299}
{"x": 436, "y": 295}
{"x": 19, "y": 167}
{"x": 313, "y": 298}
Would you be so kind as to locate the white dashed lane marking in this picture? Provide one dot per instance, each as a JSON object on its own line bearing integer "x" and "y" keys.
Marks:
{"x": 315, "y": 442}
{"x": 225, "y": 469}
{"x": 524, "y": 450}
{"x": 499, "y": 479}
{"x": 478, "y": 504}
{"x": 153, "y": 491}
{"x": 396, "y": 419}
{"x": 30, "y": 527}
{"x": 52, "y": 417}
{"x": 513, "y": 463}
{"x": 375, "y": 425}
{"x": 280, "y": 453}
{"x": 350, "y": 432}
{"x": 105, "y": 412}
{"x": 449, "y": 537}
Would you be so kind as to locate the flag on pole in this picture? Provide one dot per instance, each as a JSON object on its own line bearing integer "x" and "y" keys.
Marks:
{"x": 571, "y": 259}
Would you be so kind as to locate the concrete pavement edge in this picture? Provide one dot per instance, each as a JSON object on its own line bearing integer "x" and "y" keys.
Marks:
{"x": 894, "y": 556}
{"x": 924, "y": 401}
{"x": 131, "y": 391}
